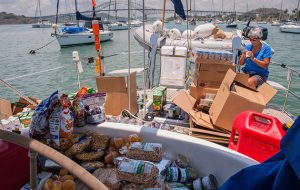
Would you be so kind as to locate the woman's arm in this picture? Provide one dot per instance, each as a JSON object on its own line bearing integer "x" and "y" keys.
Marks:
{"x": 264, "y": 63}
{"x": 242, "y": 58}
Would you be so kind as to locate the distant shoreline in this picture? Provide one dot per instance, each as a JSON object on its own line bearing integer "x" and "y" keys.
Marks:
{"x": 10, "y": 18}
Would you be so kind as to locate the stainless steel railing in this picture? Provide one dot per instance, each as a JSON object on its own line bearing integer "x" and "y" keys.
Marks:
{"x": 290, "y": 74}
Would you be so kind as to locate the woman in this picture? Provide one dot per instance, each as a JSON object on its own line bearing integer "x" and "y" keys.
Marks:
{"x": 256, "y": 58}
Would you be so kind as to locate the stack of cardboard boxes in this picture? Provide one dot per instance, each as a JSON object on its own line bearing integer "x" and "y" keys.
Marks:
{"x": 232, "y": 96}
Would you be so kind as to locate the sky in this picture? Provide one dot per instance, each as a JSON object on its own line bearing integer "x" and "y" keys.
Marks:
{"x": 48, "y": 7}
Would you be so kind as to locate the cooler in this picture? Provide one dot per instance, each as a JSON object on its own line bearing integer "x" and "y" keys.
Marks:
{"x": 14, "y": 166}
{"x": 259, "y": 135}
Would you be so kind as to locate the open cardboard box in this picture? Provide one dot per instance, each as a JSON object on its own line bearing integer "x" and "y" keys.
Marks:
{"x": 117, "y": 96}
{"x": 234, "y": 97}
{"x": 186, "y": 102}
{"x": 197, "y": 92}
{"x": 211, "y": 74}
{"x": 8, "y": 109}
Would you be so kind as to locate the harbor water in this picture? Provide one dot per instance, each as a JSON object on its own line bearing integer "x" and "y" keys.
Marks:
{"x": 52, "y": 68}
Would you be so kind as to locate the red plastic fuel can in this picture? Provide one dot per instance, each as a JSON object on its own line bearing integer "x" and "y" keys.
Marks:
{"x": 256, "y": 135}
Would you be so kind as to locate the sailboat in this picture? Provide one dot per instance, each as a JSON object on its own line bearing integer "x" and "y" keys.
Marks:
{"x": 277, "y": 23}
{"x": 115, "y": 25}
{"x": 292, "y": 28}
{"x": 78, "y": 35}
{"x": 42, "y": 23}
{"x": 232, "y": 24}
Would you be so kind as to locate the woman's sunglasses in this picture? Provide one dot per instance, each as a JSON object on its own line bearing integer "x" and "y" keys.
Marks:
{"x": 253, "y": 39}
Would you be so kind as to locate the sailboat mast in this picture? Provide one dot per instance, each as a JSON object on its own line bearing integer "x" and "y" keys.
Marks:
{"x": 297, "y": 11}
{"x": 40, "y": 10}
{"x": 76, "y": 10}
{"x": 280, "y": 10}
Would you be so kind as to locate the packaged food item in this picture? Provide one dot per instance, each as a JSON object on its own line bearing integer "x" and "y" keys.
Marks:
{"x": 79, "y": 147}
{"x": 145, "y": 151}
{"x": 79, "y": 112}
{"x": 92, "y": 166}
{"x": 117, "y": 142}
{"x": 94, "y": 109}
{"x": 63, "y": 172}
{"x": 61, "y": 121}
{"x": 181, "y": 161}
{"x": 99, "y": 141}
{"x": 159, "y": 98}
{"x": 134, "y": 186}
{"x": 41, "y": 179}
{"x": 39, "y": 125}
{"x": 57, "y": 185}
{"x": 69, "y": 185}
{"x": 209, "y": 182}
{"x": 108, "y": 177}
{"x": 176, "y": 186}
{"x": 138, "y": 171}
{"x": 109, "y": 158}
{"x": 66, "y": 177}
{"x": 183, "y": 175}
{"x": 89, "y": 156}
{"x": 25, "y": 118}
{"x": 65, "y": 143}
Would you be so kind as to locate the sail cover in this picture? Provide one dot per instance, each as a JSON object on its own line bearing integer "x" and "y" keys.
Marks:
{"x": 80, "y": 16}
{"x": 282, "y": 171}
{"x": 179, "y": 8}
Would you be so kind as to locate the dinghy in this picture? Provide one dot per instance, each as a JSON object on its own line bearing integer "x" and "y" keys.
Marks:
{"x": 201, "y": 37}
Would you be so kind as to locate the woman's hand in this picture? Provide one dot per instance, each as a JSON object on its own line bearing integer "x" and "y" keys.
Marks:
{"x": 251, "y": 55}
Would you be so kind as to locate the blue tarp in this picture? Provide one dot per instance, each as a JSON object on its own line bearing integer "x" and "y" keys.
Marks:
{"x": 280, "y": 172}
{"x": 73, "y": 29}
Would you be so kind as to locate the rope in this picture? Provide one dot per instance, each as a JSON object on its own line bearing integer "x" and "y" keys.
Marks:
{"x": 17, "y": 92}
{"x": 148, "y": 117}
{"x": 34, "y": 51}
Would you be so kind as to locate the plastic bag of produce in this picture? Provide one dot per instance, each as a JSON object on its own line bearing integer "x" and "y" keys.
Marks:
{"x": 39, "y": 125}
{"x": 145, "y": 151}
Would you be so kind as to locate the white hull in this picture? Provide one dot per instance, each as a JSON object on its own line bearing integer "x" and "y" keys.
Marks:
{"x": 290, "y": 29}
{"x": 65, "y": 39}
{"x": 206, "y": 157}
{"x": 225, "y": 44}
{"x": 117, "y": 26}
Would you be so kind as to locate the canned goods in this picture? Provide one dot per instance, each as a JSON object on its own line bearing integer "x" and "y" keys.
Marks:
{"x": 172, "y": 112}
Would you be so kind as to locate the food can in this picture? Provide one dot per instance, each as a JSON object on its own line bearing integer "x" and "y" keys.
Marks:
{"x": 172, "y": 112}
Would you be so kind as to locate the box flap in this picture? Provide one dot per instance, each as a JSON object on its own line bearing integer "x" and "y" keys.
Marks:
{"x": 242, "y": 79}
{"x": 229, "y": 78}
{"x": 267, "y": 92}
{"x": 5, "y": 109}
{"x": 117, "y": 98}
{"x": 184, "y": 101}
{"x": 201, "y": 119}
{"x": 248, "y": 94}
{"x": 111, "y": 84}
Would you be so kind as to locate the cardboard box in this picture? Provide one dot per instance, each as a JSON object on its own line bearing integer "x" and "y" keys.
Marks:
{"x": 198, "y": 92}
{"x": 211, "y": 74}
{"x": 186, "y": 102}
{"x": 5, "y": 109}
{"x": 8, "y": 109}
{"x": 117, "y": 96}
{"x": 234, "y": 97}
